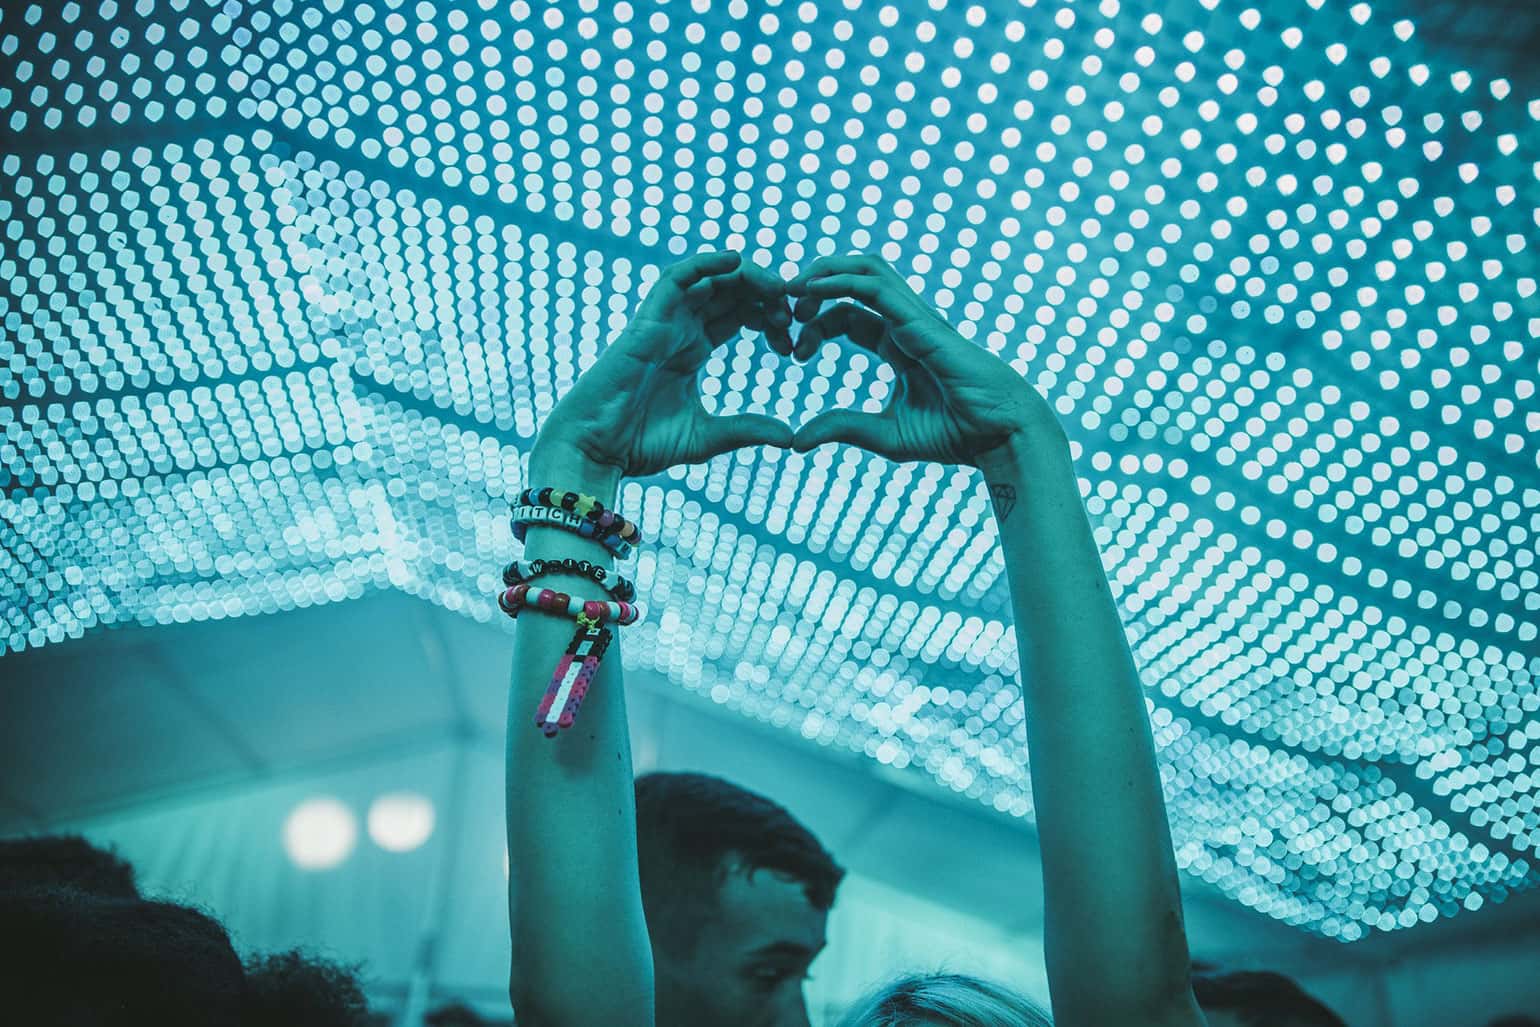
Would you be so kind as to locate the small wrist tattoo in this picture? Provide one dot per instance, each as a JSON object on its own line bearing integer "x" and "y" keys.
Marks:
{"x": 1004, "y": 497}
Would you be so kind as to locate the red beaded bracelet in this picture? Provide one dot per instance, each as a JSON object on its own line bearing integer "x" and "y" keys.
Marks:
{"x": 515, "y": 597}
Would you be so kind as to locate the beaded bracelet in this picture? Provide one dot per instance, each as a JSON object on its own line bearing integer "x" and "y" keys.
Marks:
{"x": 585, "y": 506}
{"x": 519, "y": 572}
{"x": 556, "y": 518}
{"x": 576, "y": 669}
{"x": 517, "y": 597}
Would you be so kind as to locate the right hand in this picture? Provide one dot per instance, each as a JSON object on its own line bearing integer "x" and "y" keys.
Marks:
{"x": 637, "y": 410}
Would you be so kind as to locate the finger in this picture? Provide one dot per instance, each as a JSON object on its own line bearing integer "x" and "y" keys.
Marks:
{"x": 770, "y": 310}
{"x": 667, "y": 294}
{"x": 725, "y": 434}
{"x": 869, "y": 290}
{"x": 778, "y": 313}
{"x": 681, "y": 276}
{"x": 871, "y": 432}
{"x": 865, "y": 288}
{"x": 806, "y": 308}
{"x": 723, "y": 328}
{"x": 753, "y": 287}
{"x": 765, "y": 283}
{"x": 725, "y": 303}
{"x": 863, "y": 276}
{"x": 747, "y": 279}
{"x": 853, "y": 322}
{"x": 776, "y": 323}
{"x": 733, "y": 320}
{"x": 845, "y": 264}
{"x": 902, "y": 309}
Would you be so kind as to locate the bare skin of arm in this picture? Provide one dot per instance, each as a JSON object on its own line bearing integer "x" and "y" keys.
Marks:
{"x": 581, "y": 953}
{"x": 1115, "y": 943}
{"x": 1116, "y": 947}
{"x": 574, "y": 901}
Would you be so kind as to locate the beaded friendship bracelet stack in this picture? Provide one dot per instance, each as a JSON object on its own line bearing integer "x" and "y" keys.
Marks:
{"x": 585, "y": 516}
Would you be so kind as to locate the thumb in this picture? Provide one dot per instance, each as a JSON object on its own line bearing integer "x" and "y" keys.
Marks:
{"x": 868, "y": 431}
{"x": 725, "y": 434}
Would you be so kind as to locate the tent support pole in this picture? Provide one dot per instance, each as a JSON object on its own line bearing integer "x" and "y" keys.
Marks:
{"x": 419, "y": 990}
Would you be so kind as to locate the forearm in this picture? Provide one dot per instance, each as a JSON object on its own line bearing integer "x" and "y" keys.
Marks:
{"x": 1114, "y": 936}
{"x": 573, "y": 894}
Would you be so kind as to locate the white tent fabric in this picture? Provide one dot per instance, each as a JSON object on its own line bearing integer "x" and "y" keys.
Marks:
{"x": 189, "y": 746}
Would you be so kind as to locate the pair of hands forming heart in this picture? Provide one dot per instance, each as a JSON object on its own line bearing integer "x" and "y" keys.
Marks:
{"x": 638, "y": 410}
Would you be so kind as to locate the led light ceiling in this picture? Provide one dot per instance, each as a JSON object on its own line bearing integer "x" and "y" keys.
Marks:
{"x": 288, "y": 288}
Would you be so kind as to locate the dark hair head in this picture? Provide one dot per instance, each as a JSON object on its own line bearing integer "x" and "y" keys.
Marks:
{"x": 292, "y": 989}
{"x": 68, "y": 861}
{"x": 1262, "y": 999}
{"x": 1515, "y": 1020}
{"x": 692, "y": 827}
{"x": 82, "y": 958}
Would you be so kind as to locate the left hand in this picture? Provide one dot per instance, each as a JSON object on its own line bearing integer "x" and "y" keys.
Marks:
{"x": 953, "y": 402}
{"x": 638, "y": 410}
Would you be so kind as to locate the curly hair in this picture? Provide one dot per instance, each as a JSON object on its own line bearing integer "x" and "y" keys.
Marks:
{"x": 74, "y": 957}
{"x": 294, "y": 989}
{"x": 66, "y": 861}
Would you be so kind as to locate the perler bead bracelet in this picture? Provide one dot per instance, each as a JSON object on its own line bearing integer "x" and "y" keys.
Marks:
{"x": 574, "y": 672}
{"x": 576, "y": 669}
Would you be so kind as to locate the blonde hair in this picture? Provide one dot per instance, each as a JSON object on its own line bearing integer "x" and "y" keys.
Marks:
{"x": 945, "y": 1000}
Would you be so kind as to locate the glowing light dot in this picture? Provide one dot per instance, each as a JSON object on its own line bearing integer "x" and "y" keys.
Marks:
{"x": 320, "y": 834}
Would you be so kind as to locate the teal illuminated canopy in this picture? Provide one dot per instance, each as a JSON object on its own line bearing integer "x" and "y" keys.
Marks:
{"x": 288, "y": 288}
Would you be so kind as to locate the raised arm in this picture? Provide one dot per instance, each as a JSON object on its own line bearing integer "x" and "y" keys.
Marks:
{"x": 1115, "y": 944}
{"x": 581, "y": 954}
{"x": 1116, "y": 948}
{"x": 573, "y": 897}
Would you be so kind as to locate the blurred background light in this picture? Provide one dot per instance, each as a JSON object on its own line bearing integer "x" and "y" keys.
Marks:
{"x": 400, "y": 822}
{"x": 320, "y": 833}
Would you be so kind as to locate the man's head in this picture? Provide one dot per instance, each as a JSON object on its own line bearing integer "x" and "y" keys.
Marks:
{"x": 736, "y": 893}
{"x": 1258, "y": 999}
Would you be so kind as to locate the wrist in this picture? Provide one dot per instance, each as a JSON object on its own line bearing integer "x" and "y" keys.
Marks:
{"x": 1034, "y": 491}
{"x": 1027, "y": 453}
{"x": 560, "y": 464}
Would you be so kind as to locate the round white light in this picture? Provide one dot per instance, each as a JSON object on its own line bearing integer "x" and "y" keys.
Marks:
{"x": 320, "y": 834}
{"x": 400, "y": 822}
